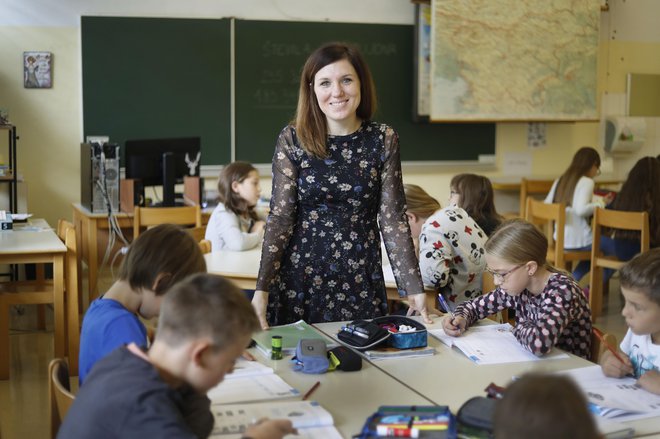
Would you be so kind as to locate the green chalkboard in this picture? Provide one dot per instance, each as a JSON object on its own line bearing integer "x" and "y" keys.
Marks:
{"x": 270, "y": 55}
{"x": 156, "y": 78}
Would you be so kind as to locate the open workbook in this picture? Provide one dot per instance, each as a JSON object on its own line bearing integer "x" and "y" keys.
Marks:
{"x": 311, "y": 420}
{"x": 251, "y": 381}
{"x": 619, "y": 399}
{"x": 492, "y": 344}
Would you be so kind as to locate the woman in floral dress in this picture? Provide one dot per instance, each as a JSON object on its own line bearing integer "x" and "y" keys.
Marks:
{"x": 336, "y": 187}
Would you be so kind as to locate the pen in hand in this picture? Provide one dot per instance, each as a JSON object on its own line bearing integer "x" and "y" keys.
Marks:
{"x": 601, "y": 337}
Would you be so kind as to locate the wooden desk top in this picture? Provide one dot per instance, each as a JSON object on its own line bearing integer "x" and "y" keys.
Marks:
{"x": 32, "y": 237}
{"x": 512, "y": 183}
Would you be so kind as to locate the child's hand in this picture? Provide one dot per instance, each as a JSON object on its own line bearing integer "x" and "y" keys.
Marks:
{"x": 270, "y": 429}
{"x": 613, "y": 367}
{"x": 260, "y": 303}
{"x": 454, "y": 326}
{"x": 650, "y": 381}
{"x": 258, "y": 226}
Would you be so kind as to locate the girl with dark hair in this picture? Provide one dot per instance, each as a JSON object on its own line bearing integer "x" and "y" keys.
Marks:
{"x": 474, "y": 193}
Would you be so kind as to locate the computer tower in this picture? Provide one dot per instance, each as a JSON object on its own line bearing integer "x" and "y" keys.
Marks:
{"x": 99, "y": 175}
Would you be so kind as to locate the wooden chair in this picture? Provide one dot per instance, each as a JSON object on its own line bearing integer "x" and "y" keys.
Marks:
{"x": 611, "y": 219}
{"x": 532, "y": 187}
{"x": 488, "y": 285}
{"x": 205, "y": 246}
{"x": 546, "y": 217}
{"x": 598, "y": 346}
{"x": 152, "y": 216}
{"x": 59, "y": 392}
{"x": 198, "y": 233}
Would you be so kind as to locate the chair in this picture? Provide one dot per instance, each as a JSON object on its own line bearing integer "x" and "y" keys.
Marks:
{"x": 532, "y": 187}
{"x": 611, "y": 219}
{"x": 598, "y": 346}
{"x": 205, "y": 246}
{"x": 198, "y": 233}
{"x": 550, "y": 217}
{"x": 488, "y": 285}
{"x": 59, "y": 392}
{"x": 152, "y": 216}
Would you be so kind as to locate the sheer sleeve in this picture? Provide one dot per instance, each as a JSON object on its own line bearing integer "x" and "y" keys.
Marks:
{"x": 394, "y": 223}
{"x": 283, "y": 209}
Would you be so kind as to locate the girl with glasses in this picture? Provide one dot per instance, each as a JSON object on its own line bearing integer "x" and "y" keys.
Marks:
{"x": 549, "y": 305}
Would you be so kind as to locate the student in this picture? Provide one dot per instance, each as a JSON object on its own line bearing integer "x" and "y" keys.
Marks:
{"x": 156, "y": 260}
{"x": 575, "y": 188}
{"x": 640, "y": 286}
{"x": 234, "y": 224}
{"x": 543, "y": 407}
{"x": 639, "y": 193}
{"x": 549, "y": 305}
{"x": 336, "y": 186}
{"x": 204, "y": 326}
{"x": 451, "y": 246}
{"x": 474, "y": 193}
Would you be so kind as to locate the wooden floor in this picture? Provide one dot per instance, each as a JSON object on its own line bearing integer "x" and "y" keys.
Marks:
{"x": 24, "y": 397}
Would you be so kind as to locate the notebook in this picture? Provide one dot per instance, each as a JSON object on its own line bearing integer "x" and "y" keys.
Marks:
{"x": 311, "y": 420}
{"x": 619, "y": 399}
{"x": 291, "y": 334}
{"x": 386, "y": 353}
{"x": 492, "y": 344}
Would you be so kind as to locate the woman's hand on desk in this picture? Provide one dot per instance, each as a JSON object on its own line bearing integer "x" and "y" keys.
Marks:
{"x": 417, "y": 303}
{"x": 260, "y": 303}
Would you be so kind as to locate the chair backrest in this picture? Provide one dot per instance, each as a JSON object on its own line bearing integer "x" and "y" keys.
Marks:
{"x": 62, "y": 226}
{"x": 532, "y": 187}
{"x": 598, "y": 346}
{"x": 612, "y": 219}
{"x": 152, "y": 216}
{"x": 205, "y": 246}
{"x": 59, "y": 392}
{"x": 73, "y": 291}
{"x": 546, "y": 216}
{"x": 197, "y": 232}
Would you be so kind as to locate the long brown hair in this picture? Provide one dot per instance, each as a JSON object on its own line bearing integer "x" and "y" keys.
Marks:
{"x": 475, "y": 194}
{"x": 235, "y": 172}
{"x": 310, "y": 122}
{"x": 641, "y": 193}
{"x": 583, "y": 160}
{"x": 419, "y": 202}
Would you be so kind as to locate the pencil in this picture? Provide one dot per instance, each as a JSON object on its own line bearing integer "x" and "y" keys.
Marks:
{"x": 310, "y": 391}
{"x": 601, "y": 337}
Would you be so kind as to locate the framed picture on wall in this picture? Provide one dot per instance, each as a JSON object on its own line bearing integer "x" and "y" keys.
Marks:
{"x": 37, "y": 69}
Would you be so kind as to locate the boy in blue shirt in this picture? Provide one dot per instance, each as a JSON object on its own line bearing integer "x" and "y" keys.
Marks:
{"x": 156, "y": 260}
{"x": 640, "y": 286}
{"x": 205, "y": 324}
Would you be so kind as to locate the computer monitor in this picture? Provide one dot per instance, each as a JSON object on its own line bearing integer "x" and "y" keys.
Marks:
{"x": 162, "y": 162}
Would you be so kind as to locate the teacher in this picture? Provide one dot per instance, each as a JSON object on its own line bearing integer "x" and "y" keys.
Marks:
{"x": 336, "y": 178}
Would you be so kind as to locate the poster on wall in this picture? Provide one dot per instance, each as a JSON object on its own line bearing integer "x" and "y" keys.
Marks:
{"x": 37, "y": 69}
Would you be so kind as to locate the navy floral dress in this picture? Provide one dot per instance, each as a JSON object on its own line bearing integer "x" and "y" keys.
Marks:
{"x": 321, "y": 258}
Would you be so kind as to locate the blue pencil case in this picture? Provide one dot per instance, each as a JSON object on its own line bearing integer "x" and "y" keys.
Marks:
{"x": 399, "y": 339}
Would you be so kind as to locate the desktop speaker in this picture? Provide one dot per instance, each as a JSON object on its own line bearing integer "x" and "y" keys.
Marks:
{"x": 99, "y": 177}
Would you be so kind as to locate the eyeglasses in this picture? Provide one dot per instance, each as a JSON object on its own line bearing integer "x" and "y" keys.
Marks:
{"x": 500, "y": 277}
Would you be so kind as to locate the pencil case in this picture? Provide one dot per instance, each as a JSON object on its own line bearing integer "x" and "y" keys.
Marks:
{"x": 362, "y": 335}
{"x": 399, "y": 339}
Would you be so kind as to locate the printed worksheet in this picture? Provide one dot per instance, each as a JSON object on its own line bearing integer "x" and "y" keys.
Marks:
{"x": 620, "y": 399}
{"x": 492, "y": 344}
{"x": 252, "y": 388}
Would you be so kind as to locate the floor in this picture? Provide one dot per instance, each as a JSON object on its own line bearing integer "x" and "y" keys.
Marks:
{"x": 24, "y": 397}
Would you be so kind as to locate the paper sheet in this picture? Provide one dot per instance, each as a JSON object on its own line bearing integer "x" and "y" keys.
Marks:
{"x": 254, "y": 388}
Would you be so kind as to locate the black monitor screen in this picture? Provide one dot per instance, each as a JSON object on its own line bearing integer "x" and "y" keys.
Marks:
{"x": 144, "y": 159}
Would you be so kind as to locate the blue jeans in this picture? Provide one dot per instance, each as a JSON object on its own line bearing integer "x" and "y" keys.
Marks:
{"x": 623, "y": 249}
{"x": 582, "y": 267}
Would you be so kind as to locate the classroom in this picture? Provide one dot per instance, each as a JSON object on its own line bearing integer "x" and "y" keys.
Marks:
{"x": 50, "y": 121}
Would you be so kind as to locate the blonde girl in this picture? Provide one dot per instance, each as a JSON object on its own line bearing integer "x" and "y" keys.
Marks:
{"x": 234, "y": 223}
{"x": 549, "y": 305}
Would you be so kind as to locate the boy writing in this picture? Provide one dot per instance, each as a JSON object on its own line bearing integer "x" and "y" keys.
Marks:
{"x": 640, "y": 286}
{"x": 204, "y": 326}
{"x": 156, "y": 260}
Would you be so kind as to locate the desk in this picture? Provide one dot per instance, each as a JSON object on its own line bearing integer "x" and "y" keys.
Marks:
{"x": 88, "y": 225}
{"x": 27, "y": 246}
{"x": 450, "y": 378}
{"x": 350, "y": 397}
{"x": 243, "y": 269}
